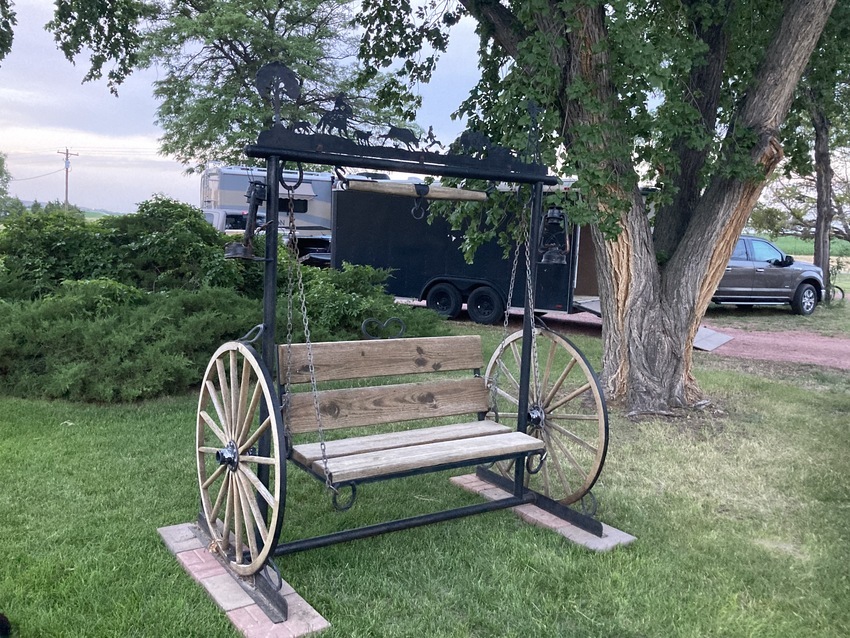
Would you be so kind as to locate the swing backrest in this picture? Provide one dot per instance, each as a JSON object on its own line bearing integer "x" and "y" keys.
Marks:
{"x": 363, "y": 405}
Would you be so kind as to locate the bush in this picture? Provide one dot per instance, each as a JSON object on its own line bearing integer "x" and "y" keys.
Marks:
{"x": 105, "y": 341}
{"x": 87, "y": 346}
{"x": 166, "y": 245}
{"x": 41, "y": 250}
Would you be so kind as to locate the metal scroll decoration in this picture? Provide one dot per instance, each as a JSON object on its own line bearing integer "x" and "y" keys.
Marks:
{"x": 323, "y": 136}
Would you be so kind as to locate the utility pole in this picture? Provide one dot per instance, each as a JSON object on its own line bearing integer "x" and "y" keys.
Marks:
{"x": 67, "y": 155}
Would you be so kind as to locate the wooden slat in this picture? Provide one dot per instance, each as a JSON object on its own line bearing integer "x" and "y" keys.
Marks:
{"x": 384, "y": 462}
{"x": 352, "y": 407}
{"x": 382, "y": 357}
{"x": 309, "y": 452}
{"x": 409, "y": 190}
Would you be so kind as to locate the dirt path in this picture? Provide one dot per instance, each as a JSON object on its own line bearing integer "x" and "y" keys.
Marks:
{"x": 796, "y": 346}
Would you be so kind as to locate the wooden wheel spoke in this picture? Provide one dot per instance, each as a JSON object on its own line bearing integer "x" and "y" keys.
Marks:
{"x": 244, "y": 386}
{"x": 572, "y": 395}
{"x": 550, "y": 359}
{"x": 248, "y": 418}
{"x": 228, "y": 514}
{"x": 222, "y": 493}
{"x": 573, "y": 437}
{"x": 553, "y": 457}
{"x": 247, "y": 514}
{"x": 260, "y": 460}
{"x": 238, "y": 521}
{"x": 227, "y": 420}
{"x": 503, "y": 369}
{"x": 213, "y": 477}
{"x": 517, "y": 356}
{"x": 513, "y": 400}
{"x": 570, "y": 457}
{"x": 219, "y": 410}
{"x": 258, "y": 485}
{"x": 212, "y": 425}
{"x": 248, "y": 492}
{"x": 256, "y": 435}
{"x": 208, "y": 450}
{"x": 557, "y": 385}
{"x": 234, "y": 393}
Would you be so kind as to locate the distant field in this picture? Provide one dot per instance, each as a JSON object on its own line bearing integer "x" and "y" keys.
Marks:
{"x": 797, "y": 246}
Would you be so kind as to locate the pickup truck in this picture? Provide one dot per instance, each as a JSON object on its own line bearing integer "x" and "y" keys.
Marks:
{"x": 760, "y": 274}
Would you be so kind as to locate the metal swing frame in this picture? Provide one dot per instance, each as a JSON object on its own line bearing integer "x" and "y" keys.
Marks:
{"x": 277, "y": 147}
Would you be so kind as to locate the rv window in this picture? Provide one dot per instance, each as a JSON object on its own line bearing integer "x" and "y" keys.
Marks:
{"x": 300, "y": 205}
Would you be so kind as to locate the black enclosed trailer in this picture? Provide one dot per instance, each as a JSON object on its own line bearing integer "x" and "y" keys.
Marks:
{"x": 427, "y": 263}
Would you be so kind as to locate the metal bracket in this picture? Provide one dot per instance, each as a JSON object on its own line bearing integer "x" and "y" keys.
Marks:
{"x": 545, "y": 503}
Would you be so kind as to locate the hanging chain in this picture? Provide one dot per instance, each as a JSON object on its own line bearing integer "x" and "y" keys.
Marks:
{"x": 522, "y": 243}
{"x": 295, "y": 265}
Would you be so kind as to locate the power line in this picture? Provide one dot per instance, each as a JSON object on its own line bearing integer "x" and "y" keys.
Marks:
{"x": 24, "y": 179}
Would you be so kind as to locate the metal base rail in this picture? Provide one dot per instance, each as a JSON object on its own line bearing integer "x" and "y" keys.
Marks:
{"x": 367, "y": 531}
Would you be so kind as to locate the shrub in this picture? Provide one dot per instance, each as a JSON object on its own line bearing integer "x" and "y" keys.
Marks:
{"x": 41, "y": 250}
{"x": 167, "y": 245}
{"x": 105, "y": 341}
{"x": 88, "y": 346}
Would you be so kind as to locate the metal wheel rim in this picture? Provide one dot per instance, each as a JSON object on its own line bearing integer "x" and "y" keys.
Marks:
{"x": 576, "y": 440}
{"x": 243, "y": 516}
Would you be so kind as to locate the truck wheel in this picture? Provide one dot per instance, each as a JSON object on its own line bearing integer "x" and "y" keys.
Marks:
{"x": 444, "y": 299}
{"x": 805, "y": 300}
{"x": 485, "y": 305}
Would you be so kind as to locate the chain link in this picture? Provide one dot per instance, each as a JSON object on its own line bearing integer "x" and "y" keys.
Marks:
{"x": 294, "y": 267}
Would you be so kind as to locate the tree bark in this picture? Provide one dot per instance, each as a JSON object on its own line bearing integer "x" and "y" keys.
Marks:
{"x": 823, "y": 181}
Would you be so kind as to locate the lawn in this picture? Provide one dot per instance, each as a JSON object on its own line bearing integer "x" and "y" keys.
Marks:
{"x": 742, "y": 514}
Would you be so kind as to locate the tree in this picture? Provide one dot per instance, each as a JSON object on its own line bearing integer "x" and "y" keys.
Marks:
{"x": 724, "y": 72}
{"x": 210, "y": 53}
{"x": 6, "y": 203}
{"x": 818, "y": 121}
{"x": 5, "y": 177}
{"x": 789, "y": 204}
{"x": 7, "y": 22}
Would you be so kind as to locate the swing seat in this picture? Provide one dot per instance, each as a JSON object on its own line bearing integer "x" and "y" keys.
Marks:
{"x": 395, "y": 453}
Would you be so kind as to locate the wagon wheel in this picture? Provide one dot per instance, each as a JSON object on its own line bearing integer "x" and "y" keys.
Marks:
{"x": 566, "y": 411}
{"x": 238, "y": 439}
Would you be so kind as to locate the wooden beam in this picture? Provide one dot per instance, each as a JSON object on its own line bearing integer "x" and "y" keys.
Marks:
{"x": 410, "y": 190}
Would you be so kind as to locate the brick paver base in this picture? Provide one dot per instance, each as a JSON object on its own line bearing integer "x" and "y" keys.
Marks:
{"x": 252, "y": 621}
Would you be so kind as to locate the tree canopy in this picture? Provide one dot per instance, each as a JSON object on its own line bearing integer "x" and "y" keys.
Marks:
{"x": 209, "y": 54}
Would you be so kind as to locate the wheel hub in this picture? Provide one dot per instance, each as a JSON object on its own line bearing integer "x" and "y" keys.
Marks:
{"x": 228, "y": 456}
{"x": 536, "y": 415}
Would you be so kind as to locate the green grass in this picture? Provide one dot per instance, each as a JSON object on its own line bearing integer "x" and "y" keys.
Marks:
{"x": 798, "y": 246}
{"x": 742, "y": 514}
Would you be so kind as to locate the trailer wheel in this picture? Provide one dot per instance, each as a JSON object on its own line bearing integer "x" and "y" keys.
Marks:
{"x": 485, "y": 305}
{"x": 444, "y": 299}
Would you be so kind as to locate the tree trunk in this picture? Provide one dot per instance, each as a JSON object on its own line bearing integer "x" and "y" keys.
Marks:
{"x": 651, "y": 314}
{"x": 823, "y": 177}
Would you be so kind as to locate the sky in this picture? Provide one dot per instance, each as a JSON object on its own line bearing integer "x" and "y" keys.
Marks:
{"x": 45, "y": 108}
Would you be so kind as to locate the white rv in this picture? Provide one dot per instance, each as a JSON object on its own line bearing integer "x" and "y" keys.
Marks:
{"x": 225, "y": 206}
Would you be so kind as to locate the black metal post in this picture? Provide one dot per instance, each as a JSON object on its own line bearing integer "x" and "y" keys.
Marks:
{"x": 525, "y": 379}
{"x": 269, "y": 305}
